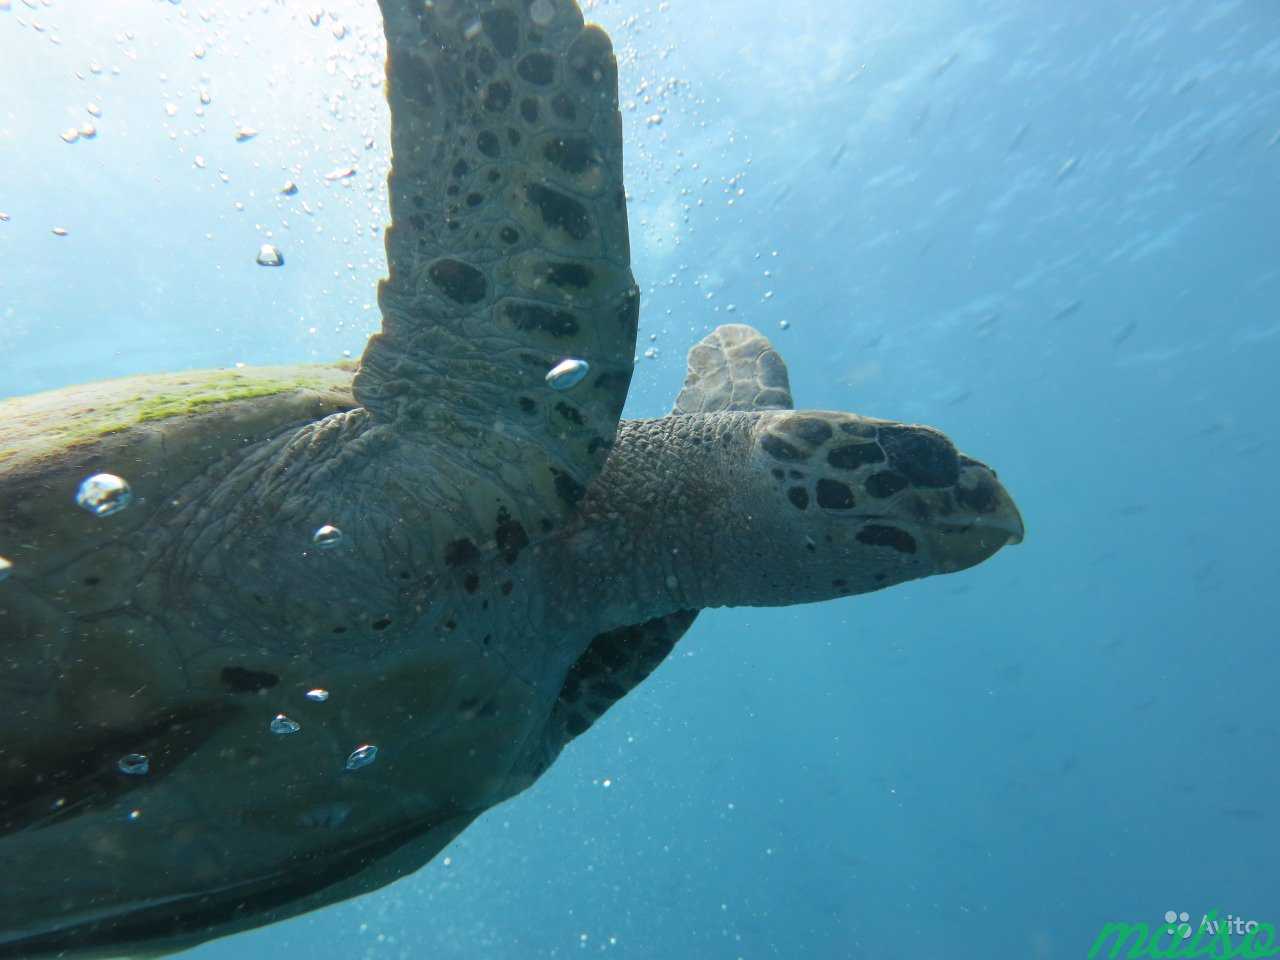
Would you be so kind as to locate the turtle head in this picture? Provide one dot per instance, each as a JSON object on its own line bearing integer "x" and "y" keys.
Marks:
{"x": 870, "y": 503}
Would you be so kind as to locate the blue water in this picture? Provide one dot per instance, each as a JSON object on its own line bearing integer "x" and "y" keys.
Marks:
{"x": 1048, "y": 229}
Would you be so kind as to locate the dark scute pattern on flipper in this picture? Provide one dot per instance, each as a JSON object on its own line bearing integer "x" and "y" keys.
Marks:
{"x": 611, "y": 666}
{"x": 503, "y": 30}
{"x": 534, "y": 317}
{"x": 878, "y": 535}
{"x": 799, "y": 497}
{"x": 537, "y": 68}
{"x": 510, "y": 536}
{"x": 560, "y": 210}
{"x": 481, "y": 197}
{"x": 923, "y": 456}
{"x": 460, "y": 282}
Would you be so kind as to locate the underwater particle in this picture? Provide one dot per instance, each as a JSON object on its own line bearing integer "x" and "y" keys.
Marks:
{"x": 94, "y": 110}
{"x": 199, "y": 53}
{"x": 315, "y": 16}
{"x": 339, "y": 31}
{"x": 70, "y": 135}
{"x": 4, "y": 217}
{"x": 104, "y": 494}
{"x": 289, "y": 188}
{"x": 362, "y": 756}
{"x": 88, "y": 131}
{"x": 328, "y": 536}
{"x": 171, "y": 109}
{"x": 135, "y": 815}
{"x": 318, "y": 695}
{"x": 59, "y": 231}
{"x": 6, "y": 568}
{"x": 282, "y": 725}
{"x": 341, "y": 173}
{"x": 206, "y": 98}
{"x": 200, "y": 162}
{"x": 784, "y": 324}
{"x": 134, "y": 764}
{"x": 269, "y": 255}
{"x": 567, "y": 373}
{"x": 245, "y": 134}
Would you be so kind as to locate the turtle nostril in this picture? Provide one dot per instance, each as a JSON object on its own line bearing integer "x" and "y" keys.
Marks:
{"x": 924, "y": 456}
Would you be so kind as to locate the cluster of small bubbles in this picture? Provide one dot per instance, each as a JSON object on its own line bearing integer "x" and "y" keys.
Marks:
{"x": 134, "y": 764}
{"x": 362, "y": 756}
{"x": 269, "y": 255}
{"x": 567, "y": 373}
{"x": 104, "y": 494}
{"x": 282, "y": 725}
{"x": 6, "y": 568}
{"x": 327, "y": 537}
{"x": 318, "y": 695}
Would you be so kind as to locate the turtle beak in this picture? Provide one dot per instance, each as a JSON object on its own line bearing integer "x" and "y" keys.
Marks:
{"x": 983, "y": 519}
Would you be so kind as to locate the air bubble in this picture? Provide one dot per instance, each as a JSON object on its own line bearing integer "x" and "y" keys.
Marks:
{"x": 244, "y": 134}
{"x": 104, "y": 494}
{"x": 6, "y": 568}
{"x": 362, "y": 756}
{"x": 567, "y": 374}
{"x": 59, "y": 231}
{"x": 289, "y": 188}
{"x": 269, "y": 255}
{"x": 472, "y": 30}
{"x": 318, "y": 695}
{"x": 134, "y": 764}
{"x": 70, "y": 135}
{"x": 328, "y": 536}
{"x": 282, "y": 725}
{"x": 342, "y": 173}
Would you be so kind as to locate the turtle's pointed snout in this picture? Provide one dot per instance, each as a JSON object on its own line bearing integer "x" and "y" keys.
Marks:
{"x": 985, "y": 520}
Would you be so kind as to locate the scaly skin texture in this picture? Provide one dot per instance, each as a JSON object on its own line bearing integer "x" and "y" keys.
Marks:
{"x": 218, "y": 612}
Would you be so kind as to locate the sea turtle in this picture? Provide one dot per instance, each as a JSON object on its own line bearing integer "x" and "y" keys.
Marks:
{"x": 346, "y": 614}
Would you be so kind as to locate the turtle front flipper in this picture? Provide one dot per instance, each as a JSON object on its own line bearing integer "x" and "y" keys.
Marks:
{"x": 508, "y": 250}
{"x": 734, "y": 367}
